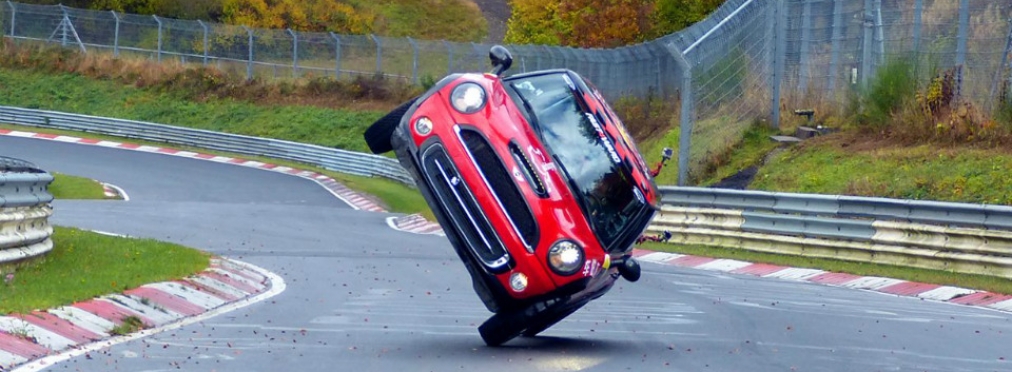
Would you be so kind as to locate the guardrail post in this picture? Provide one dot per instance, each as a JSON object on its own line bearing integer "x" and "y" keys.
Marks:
{"x": 204, "y": 26}
{"x": 834, "y": 61}
{"x": 295, "y": 53}
{"x": 115, "y": 35}
{"x": 379, "y": 53}
{"x": 414, "y": 60}
{"x": 337, "y": 55}
{"x": 779, "y": 59}
{"x": 14, "y": 14}
{"x": 961, "y": 43}
{"x": 249, "y": 59}
{"x": 806, "y": 38}
{"x": 449, "y": 54}
{"x": 159, "y": 37}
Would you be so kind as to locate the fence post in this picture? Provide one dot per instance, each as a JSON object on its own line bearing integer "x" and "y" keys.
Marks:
{"x": 834, "y": 61}
{"x": 449, "y": 49}
{"x": 379, "y": 53}
{"x": 159, "y": 37}
{"x": 204, "y": 26}
{"x": 918, "y": 21}
{"x": 295, "y": 52}
{"x": 249, "y": 60}
{"x": 1003, "y": 68}
{"x": 414, "y": 60}
{"x": 779, "y": 59}
{"x": 115, "y": 35}
{"x": 866, "y": 43}
{"x": 14, "y": 13}
{"x": 63, "y": 26}
{"x": 685, "y": 120}
{"x": 961, "y": 43}
{"x": 806, "y": 37}
{"x": 337, "y": 55}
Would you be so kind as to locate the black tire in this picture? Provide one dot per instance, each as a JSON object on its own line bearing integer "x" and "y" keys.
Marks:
{"x": 501, "y": 327}
{"x": 378, "y": 134}
{"x": 537, "y": 326}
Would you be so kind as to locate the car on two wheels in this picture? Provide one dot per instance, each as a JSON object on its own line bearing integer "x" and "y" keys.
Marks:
{"x": 537, "y": 184}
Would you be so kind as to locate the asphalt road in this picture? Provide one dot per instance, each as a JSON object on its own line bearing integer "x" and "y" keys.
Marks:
{"x": 362, "y": 297}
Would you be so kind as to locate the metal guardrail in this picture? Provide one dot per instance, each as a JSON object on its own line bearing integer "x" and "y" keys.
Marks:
{"x": 328, "y": 158}
{"x": 24, "y": 211}
{"x": 968, "y": 238}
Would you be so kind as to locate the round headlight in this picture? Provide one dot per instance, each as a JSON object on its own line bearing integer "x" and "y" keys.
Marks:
{"x": 565, "y": 258}
{"x": 423, "y": 126}
{"x": 468, "y": 98}
{"x": 518, "y": 281}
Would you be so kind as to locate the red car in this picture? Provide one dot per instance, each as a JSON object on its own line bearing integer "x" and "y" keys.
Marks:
{"x": 536, "y": 183}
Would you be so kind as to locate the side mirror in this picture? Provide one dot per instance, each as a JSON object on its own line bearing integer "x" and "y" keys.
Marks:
{"x": 501, "y": 59}
{"x": 667, "y": 153}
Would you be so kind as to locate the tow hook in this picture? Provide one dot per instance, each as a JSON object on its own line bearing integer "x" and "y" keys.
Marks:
{"x": 628, "y": 268}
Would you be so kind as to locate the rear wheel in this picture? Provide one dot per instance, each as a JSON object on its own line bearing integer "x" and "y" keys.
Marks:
{"x": 502, "y": 327}
{"x": 378, "y": 134}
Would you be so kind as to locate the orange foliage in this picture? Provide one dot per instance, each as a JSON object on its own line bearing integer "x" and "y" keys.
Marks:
{"x": 299, "y": 15}
{"x": 605, "y": 23}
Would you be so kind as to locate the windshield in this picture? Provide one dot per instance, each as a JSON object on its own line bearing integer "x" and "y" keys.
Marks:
{"x": 583, "y": 151}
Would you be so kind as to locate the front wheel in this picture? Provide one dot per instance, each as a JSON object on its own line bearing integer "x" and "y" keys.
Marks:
{"x": 547, "y": 321}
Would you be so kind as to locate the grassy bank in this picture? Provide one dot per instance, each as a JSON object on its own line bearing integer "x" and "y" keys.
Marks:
{"x": 83, "y": 265}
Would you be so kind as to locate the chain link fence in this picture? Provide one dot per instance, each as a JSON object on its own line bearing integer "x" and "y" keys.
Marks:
{"x": 746, "y": 62}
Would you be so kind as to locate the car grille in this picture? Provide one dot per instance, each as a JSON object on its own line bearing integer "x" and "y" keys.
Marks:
{"x": 502, "y": 184}
{"x": 469, "y": 221}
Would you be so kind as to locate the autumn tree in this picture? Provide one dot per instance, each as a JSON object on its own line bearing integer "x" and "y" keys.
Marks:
{"x": 605, "y": 23}
{"x": 300, "y": 15}
{"x": 535, "y": 22}
{"x": 673, "y": 15}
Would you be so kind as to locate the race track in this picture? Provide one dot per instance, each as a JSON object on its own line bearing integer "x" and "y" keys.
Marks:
{"x": 362, "y": 297}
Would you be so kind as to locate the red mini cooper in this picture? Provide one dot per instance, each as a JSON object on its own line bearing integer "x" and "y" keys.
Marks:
{"x": 536, "y": 183}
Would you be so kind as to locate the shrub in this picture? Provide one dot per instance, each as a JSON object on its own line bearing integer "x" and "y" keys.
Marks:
{"x": 892, "y": 88}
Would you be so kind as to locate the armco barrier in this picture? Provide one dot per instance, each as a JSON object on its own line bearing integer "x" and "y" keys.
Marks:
{"x": 24, "y": 211}
{"x": 333, "y": 159}
{"x": 948, "y": 236}
{"x": 966, "y": 238}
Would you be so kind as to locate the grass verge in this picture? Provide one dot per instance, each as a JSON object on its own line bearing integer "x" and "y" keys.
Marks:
{"x": 980, "y": 282}
{"x": 65, "y": 186}
{"x": 84, "y": 264}
{"x": 395, "y": 196}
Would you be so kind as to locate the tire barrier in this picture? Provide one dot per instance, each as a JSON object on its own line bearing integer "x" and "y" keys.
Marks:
{"x": 965, "y": 238}
{"x": 24, "y": 211}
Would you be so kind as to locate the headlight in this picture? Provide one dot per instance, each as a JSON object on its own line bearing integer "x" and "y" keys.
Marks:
{"x": 518, "y": 281}
{"x": 468, "y": 98}
{"x": 565, "y": 258}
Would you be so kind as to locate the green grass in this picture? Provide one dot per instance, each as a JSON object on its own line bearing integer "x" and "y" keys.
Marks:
{"x": 84, "y": 264}
{"x": 72, "y": 187}
{"x": 396, "y": 196}
{"x": 130, "y": 324}
{"x": 77, "y": 94}
{"x": 455, "y": 20}
{"x": 923, "y": 172}
{"x": 981, "y": 282}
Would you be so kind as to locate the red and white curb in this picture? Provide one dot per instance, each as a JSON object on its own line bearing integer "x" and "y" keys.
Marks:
{"x": 114, "y": 192}
{"x": 416, "y": 224}
{"x": 33, "y": 341}
{"x": 352, "y": 198}
{"x": 955, "y": 295}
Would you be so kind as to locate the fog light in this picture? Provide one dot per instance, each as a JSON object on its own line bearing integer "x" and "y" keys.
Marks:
{"x": 518, "y": 281}
{"x": 423, "y": 126}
